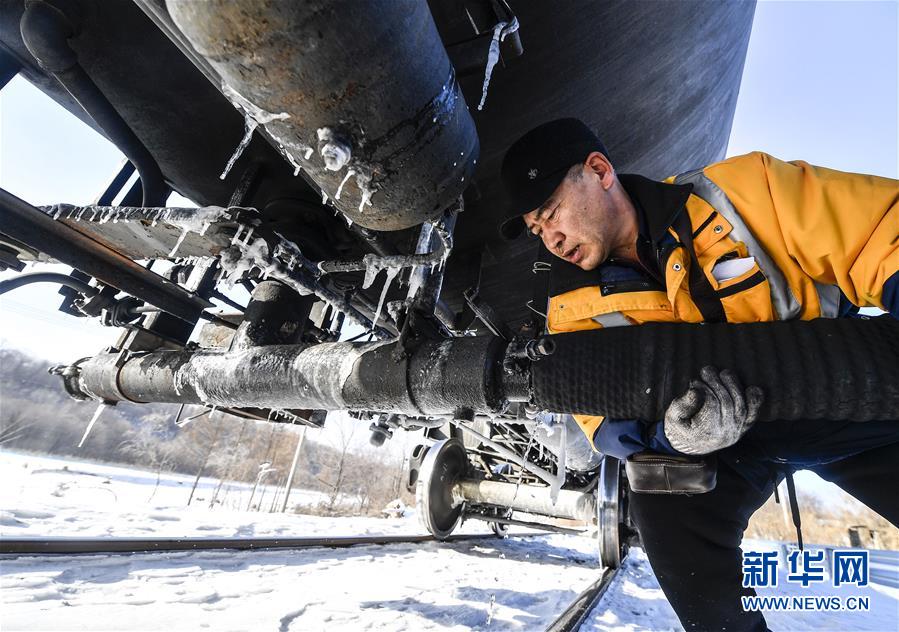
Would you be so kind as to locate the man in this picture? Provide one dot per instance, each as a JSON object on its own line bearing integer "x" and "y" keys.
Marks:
{"x": 748, "y": 239}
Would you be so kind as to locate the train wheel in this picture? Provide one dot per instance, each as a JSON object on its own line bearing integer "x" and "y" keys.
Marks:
{"x": 610, "y": 514}
{"x": 444, "y": 464}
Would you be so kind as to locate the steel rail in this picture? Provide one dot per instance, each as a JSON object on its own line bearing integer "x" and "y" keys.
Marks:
{"x": 577, "y": 612}
{"x": 77, "y": 546}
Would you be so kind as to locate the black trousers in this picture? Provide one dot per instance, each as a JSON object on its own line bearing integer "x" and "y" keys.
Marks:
{"x": 693, "y": 542}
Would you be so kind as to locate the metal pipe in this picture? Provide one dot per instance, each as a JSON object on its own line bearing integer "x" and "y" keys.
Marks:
{"x": 48, "y": 277}
{"x": 419, "y": 275}
{"x": 391, "y": 144}
{"x": 275, "y": 315}
{"x": 570, "y": 505}
{"x": 421, "y": 258}
{"x": 46, "y": 30}
{"x": 429, "y": 294}
{"x": 305, "y": 282}
{"x": 27, "y": 224}
{"x": 434, "y": 379}
{"x": 509, "y": 455}
{"x": 374, "y": 261}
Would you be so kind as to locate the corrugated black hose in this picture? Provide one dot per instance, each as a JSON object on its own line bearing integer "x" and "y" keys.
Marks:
{"x": 837, "y": 369}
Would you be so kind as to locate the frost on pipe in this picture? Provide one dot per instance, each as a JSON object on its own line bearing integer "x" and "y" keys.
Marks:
{"x": 393, "y": 134}
{"x": 275, "y": 257}
{"x": 435, "y": 378}
{"x": 287, "y": 264}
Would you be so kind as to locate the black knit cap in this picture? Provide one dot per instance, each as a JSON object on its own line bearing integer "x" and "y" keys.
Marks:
{"x": 537, "y": 163}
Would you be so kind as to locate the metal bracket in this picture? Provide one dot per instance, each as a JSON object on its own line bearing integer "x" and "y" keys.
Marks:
{"x": 486, "y": 314}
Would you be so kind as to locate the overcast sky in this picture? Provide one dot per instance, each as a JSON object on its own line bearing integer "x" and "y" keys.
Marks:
{"x": 820, "y": 84}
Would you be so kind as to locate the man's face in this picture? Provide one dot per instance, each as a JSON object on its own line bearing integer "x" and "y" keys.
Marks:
{"x": 576, "y": 223}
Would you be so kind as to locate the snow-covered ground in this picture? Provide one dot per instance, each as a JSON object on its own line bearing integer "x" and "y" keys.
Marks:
{"x": 634, "y": 602}
{"x": 520, "y": 583}
{"x": 43, "y": 496}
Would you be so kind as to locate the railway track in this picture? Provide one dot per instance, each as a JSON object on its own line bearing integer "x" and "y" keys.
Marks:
{"x": 76, "y": 546}
{"x": 569, "y": 620}
{"x": 577, "y": 612}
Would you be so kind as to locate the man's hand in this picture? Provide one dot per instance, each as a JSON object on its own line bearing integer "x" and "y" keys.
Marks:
{"x": 713, "y": 414}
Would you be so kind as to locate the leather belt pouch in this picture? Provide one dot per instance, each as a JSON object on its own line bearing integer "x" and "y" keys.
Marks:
{"x": 652, "y": 473}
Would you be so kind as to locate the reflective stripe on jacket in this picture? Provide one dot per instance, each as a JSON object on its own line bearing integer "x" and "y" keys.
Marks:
{"x": 801, "y": 237}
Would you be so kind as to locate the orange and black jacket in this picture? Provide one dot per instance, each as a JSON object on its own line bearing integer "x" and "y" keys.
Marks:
{"x": 749, "y": 239}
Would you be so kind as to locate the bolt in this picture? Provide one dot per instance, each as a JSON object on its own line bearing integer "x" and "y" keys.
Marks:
{"x": 545, "y": 346}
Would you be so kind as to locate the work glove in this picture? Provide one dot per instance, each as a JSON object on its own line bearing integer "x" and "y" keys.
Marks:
{"x": 713, "y": 414}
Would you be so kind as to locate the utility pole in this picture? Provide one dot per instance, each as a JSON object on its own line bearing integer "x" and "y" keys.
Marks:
{"x": 293, "y": 468}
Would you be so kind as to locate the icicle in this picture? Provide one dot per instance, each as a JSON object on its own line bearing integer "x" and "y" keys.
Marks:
{"x": 499, "y": 34}
{"x": 253, "y": 117}
{"x": 371, "y": 273}
{"x": 363, "y": 181}
{"x": 349, "y": 174}
{"x": 246, "y": 240}
{"x": 296, "y": 166}
{"x": 57, "y": 212}
{"x": 371, "y": 270}
{"x": 394, "y": 308}
{"x": 237, "y": 234}
{"x": 324, "y": 197}
{"x": 390, "y": 275}
{"x": 249, "y": 127}
{"x": 178, "y": 243}
{"x": 560, "y": 471}
{"x": 90, "y": 426}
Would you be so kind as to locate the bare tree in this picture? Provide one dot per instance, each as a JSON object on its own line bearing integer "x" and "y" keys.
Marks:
{"x": 338, "y": 463}
{"x": 147, "y": 446}
{"x": 293, "y": 466}
{"x": 227, "y": 474}
{"x": 210, "y": 445}
{"x": 270, "y": 457}
{"x": 14, "y": 426}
